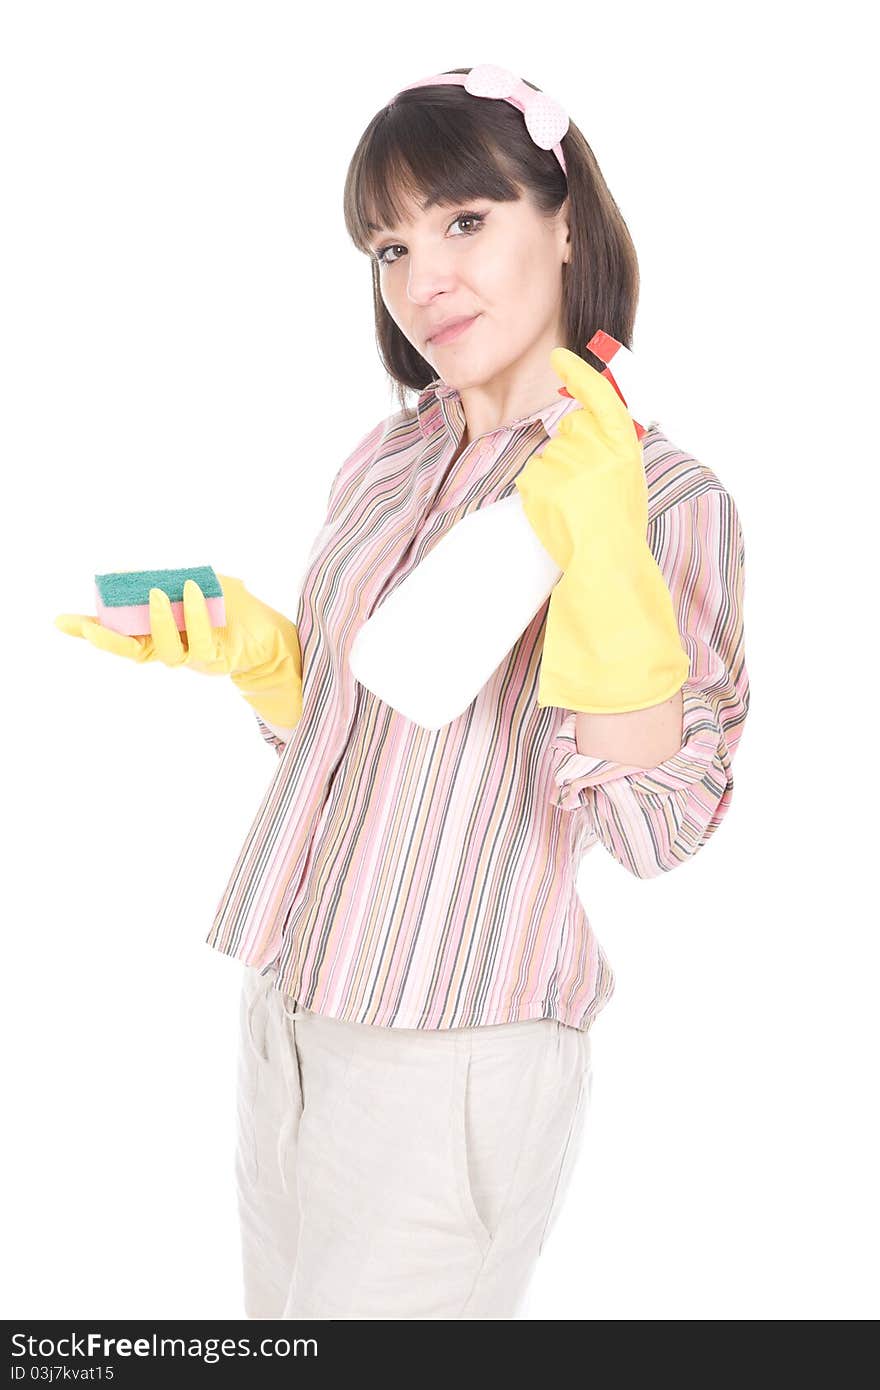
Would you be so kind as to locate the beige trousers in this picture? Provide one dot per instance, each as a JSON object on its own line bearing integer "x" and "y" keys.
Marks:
{"x": 390, "y": 1173}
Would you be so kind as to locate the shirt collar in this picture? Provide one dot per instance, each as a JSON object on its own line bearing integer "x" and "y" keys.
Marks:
{"x": 440, "y": 403}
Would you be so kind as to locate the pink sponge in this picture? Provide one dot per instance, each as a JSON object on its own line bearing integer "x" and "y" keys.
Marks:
{"x": 123, "y": 598}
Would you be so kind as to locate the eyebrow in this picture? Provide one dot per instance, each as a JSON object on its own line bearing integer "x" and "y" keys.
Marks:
{"x": 426, "y": 206}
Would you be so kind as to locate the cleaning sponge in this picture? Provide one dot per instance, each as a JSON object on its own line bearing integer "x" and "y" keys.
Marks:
{"x": 123, "y": 597}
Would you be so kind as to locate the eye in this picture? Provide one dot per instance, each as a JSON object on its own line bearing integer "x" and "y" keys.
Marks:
{"x": 478, "y": 218}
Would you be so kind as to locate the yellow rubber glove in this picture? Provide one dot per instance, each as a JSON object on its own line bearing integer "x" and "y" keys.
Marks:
{"x": 258, "y": 648}
{"x": 611, "y": 641}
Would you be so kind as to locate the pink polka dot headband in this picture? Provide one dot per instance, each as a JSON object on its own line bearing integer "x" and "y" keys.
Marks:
{"x": 545, "y": 119}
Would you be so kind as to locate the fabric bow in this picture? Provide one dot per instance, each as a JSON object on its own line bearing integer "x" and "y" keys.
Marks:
{"x": 545, "y": 119}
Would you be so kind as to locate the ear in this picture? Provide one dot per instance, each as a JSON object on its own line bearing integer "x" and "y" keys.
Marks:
{"x": 564, "y": 230}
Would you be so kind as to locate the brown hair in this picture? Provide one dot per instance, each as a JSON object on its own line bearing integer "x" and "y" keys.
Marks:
{"x": 448, "y": 146}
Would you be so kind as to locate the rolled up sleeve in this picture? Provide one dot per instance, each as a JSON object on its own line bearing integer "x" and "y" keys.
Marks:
{"x": 651, "y": 819}
{"x": 269, "y": 735}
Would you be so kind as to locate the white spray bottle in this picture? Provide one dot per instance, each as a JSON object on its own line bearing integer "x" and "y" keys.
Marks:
{"x": 432, "y": 645}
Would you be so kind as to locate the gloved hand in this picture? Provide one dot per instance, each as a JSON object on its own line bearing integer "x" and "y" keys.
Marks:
{"x": 258, "y": 648}
{"x": 611, "y": 641}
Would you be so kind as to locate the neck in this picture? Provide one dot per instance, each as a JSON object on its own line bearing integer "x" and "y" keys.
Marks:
{"x": 527, "y": 387}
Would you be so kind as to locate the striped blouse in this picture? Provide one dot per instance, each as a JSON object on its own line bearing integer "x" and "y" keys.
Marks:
{"x": 427, "y": 879}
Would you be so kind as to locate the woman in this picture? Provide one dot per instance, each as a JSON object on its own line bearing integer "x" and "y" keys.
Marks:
{"x": 420, "y": 975}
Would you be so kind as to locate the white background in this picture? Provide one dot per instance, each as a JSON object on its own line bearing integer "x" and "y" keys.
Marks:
{"x": 187, "y": 357}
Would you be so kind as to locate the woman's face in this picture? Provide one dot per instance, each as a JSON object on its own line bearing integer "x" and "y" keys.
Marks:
{"x": 499, "y": 262}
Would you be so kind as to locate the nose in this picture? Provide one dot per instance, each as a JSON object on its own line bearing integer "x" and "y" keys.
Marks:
{"x": 429, "y": 273}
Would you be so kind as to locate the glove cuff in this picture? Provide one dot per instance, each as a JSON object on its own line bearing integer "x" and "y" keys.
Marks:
{"x": 274, "y": 689}
{"x": 611, "y": 640}
{"x": 281, "y": 706}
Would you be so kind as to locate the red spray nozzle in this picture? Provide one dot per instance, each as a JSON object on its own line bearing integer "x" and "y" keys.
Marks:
{"x": 606, "y": 348}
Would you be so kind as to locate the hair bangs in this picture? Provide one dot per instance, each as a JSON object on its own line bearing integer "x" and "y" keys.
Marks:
{"x": 424, "y": 155}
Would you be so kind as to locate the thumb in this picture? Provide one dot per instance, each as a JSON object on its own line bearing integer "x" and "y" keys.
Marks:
{"x": 71, "y": 623}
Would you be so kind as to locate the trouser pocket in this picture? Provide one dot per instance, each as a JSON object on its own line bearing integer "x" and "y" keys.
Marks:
{"x": 572, "y": 1145}
{"x": 461, "y": 1155}
{"x": 252, "y": 1058}
{"x": 515, "y": 1086}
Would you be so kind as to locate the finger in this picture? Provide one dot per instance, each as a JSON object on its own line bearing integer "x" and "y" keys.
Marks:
{"x": 116, "y": 642}
{"x": 594, "y": 392}
{"x": 71, "y": 623}
{"x": 199, "y": 633}
{"x": 164, "y": 631}
{"x": 563, "y": 460}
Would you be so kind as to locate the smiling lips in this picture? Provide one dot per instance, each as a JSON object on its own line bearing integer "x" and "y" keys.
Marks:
{"x": 454, "y": 329}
